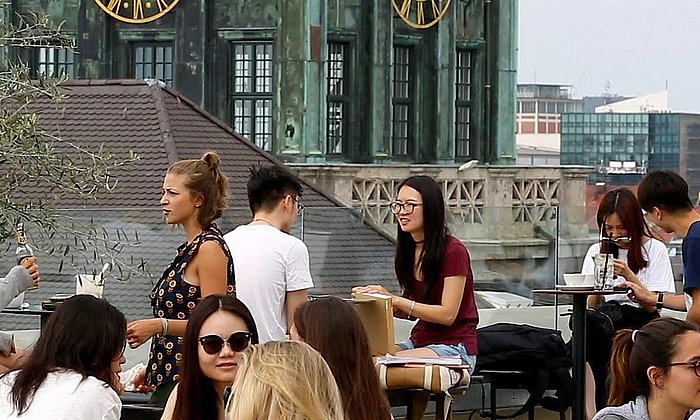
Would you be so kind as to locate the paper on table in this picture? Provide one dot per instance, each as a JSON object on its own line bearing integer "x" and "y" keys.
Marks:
{"x": 377, "y": 295}
{"x": 437, "y": 360}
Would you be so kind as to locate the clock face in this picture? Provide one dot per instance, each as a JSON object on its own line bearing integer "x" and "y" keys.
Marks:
{"x": 421, "y": 14}
{"x": 136, "y": 11}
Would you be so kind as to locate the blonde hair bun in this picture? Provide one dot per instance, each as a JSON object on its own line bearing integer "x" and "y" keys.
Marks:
{"x": 212, "y": 160}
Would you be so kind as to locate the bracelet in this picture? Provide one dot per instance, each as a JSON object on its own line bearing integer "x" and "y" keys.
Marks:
{"x": 164, "y": 324}
{"x": 659, "y": 301}
{"x": 410, "y": 312}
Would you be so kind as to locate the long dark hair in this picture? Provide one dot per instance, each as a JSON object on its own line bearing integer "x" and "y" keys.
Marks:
{"x": 654, "y": 344}
{"x": 435, "y": 234}
{"x": 196, "y": 395}
{"x": 84, "y": 335}
{"x": 622, "y": 202}
{"x": 334, "y": 328}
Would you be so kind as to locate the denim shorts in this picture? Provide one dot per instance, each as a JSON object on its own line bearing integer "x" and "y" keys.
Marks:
{"x": 445, "y": 350}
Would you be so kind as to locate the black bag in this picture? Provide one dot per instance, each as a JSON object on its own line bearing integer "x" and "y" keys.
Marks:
{"x": 539, "y": 352}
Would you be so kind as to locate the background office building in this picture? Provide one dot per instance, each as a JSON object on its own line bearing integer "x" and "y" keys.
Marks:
{"x": 538, "y": 121}
{"x": 624, "y": 146}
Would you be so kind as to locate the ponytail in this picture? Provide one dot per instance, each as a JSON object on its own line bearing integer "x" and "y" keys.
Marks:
{"x": 634, "y": 352}
{"x": 622, "y": 387}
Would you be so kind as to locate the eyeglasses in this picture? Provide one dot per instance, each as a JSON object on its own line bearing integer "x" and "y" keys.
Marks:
{"x": 212, "y": 344}
{"x": 407, "y": 208}
{"x": 620, "y": 240}
{"x": 695, "y": 364}
{"x": 300, "y": 207}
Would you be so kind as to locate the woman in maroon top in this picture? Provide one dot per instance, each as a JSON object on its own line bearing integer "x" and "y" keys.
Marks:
{"x": 435, "y": 275}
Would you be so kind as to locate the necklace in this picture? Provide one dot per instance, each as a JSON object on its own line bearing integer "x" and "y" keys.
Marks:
{"x": 262, "y": 220}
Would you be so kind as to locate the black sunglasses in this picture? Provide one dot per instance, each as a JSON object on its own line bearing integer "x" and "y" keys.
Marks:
{"x": 212, "y": 344}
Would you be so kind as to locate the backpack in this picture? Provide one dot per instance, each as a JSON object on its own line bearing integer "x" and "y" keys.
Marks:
{"x": 539, "y": 352}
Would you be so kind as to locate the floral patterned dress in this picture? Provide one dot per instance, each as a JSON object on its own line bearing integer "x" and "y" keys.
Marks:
{"x": 174, "y": 298}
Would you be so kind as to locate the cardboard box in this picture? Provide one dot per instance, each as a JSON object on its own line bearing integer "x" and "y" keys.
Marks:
{"x": 377, "y": 314}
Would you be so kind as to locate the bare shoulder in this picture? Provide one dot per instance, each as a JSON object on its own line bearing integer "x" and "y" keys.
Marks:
{"x": 211, "y": 248}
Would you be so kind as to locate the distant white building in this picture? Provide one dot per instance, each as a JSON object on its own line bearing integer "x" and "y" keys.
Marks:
{"x": 656, "y": 102}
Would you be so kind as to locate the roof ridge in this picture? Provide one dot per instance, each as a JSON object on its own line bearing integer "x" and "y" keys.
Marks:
{"x": 164, "y": 124}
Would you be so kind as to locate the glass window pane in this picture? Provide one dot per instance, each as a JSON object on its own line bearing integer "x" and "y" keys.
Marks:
{"x": 153, "y": 60}
{"x": 251, "y": 91}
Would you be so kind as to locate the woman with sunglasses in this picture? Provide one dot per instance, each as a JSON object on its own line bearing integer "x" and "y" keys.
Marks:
{"x": 434, "y": 271}
{"x": 636, "y": 257}
{"x": 220, "y": 327}
{"x": 655, "y": 372}
{"x": 72, "y": 371}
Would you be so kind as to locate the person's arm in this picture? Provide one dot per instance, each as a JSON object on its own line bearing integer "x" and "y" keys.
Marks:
{"x": 170, "y": 405}
{"x": 212, "y": 269}
{"x": 6, "y": 344}
{"x": 298, "y": 277}
{"x": 647, "y": 299}
{"x": 691, "y": 276}
{"x": 458, "y": 277}
{"x": 694, "y": 310}
{"x": 292, "y": 301}
{"x": 16, "y": 281}
{"x": 140, "y": 331}
{"x": 444, "y": 313}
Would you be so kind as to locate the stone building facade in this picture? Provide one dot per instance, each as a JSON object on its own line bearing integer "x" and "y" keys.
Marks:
{"x": 312, "y": 80}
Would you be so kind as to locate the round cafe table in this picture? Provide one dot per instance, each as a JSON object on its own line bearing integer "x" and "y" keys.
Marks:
{"x": 578, "y": 340}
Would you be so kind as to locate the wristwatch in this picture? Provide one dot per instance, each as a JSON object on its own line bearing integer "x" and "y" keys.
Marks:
{"x": 659, "y": 301}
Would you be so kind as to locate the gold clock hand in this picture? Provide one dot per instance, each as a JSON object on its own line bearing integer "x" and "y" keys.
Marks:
{"x": 138, "y": 9}
{"x": 162, "y": 5}
{"x": 114, "y": 5}
{"x": 405, "y": 8}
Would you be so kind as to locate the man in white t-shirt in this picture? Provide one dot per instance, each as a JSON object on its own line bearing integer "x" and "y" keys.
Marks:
{"x": 271, "y": 266}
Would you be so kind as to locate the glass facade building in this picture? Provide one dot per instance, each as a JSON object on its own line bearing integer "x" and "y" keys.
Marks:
{"x": 664, "y": 141}
{"x": 623, "y": 147}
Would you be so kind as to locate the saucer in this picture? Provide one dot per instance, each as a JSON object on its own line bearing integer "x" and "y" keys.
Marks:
{"x": 566, "y": 287}
{"x": 60, "y": 297}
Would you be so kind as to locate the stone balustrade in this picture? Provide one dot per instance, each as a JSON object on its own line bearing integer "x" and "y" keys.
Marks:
{"x": 497, "y": 202}
{"x": 523, "y": 225}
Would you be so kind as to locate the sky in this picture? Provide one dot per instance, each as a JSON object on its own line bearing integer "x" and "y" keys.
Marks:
{"x": 638, "y": 46}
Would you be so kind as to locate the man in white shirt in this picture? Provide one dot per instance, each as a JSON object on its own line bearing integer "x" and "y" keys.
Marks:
{"x": 271, "y": 266}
